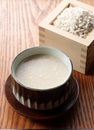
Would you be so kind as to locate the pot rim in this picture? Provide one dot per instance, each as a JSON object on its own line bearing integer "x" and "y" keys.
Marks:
{"x": 38, "y": 89}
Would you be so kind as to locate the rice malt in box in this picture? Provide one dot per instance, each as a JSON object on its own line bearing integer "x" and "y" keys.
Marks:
{"x": 74, "y": 37}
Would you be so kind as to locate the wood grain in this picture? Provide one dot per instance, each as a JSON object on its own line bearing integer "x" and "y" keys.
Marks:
{"x": 19, "y": 21}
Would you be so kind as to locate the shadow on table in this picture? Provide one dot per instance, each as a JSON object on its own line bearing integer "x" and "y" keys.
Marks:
{"x": 91, "y": 71}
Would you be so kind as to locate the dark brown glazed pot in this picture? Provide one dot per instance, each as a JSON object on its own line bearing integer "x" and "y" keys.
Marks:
{"x": 41, "y": 99}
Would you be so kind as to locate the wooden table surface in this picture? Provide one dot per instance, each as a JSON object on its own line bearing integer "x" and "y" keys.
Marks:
{"x": 19, "y": 21}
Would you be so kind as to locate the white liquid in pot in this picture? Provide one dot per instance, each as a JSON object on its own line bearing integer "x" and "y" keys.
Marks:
{"x": 42, "y": 71}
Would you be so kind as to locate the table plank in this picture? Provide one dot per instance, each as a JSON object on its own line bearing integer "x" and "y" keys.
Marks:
{"x": 19, "y": 21}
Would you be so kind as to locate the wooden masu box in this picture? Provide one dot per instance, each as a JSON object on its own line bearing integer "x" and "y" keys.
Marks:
{"x": 80, "y": 50}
